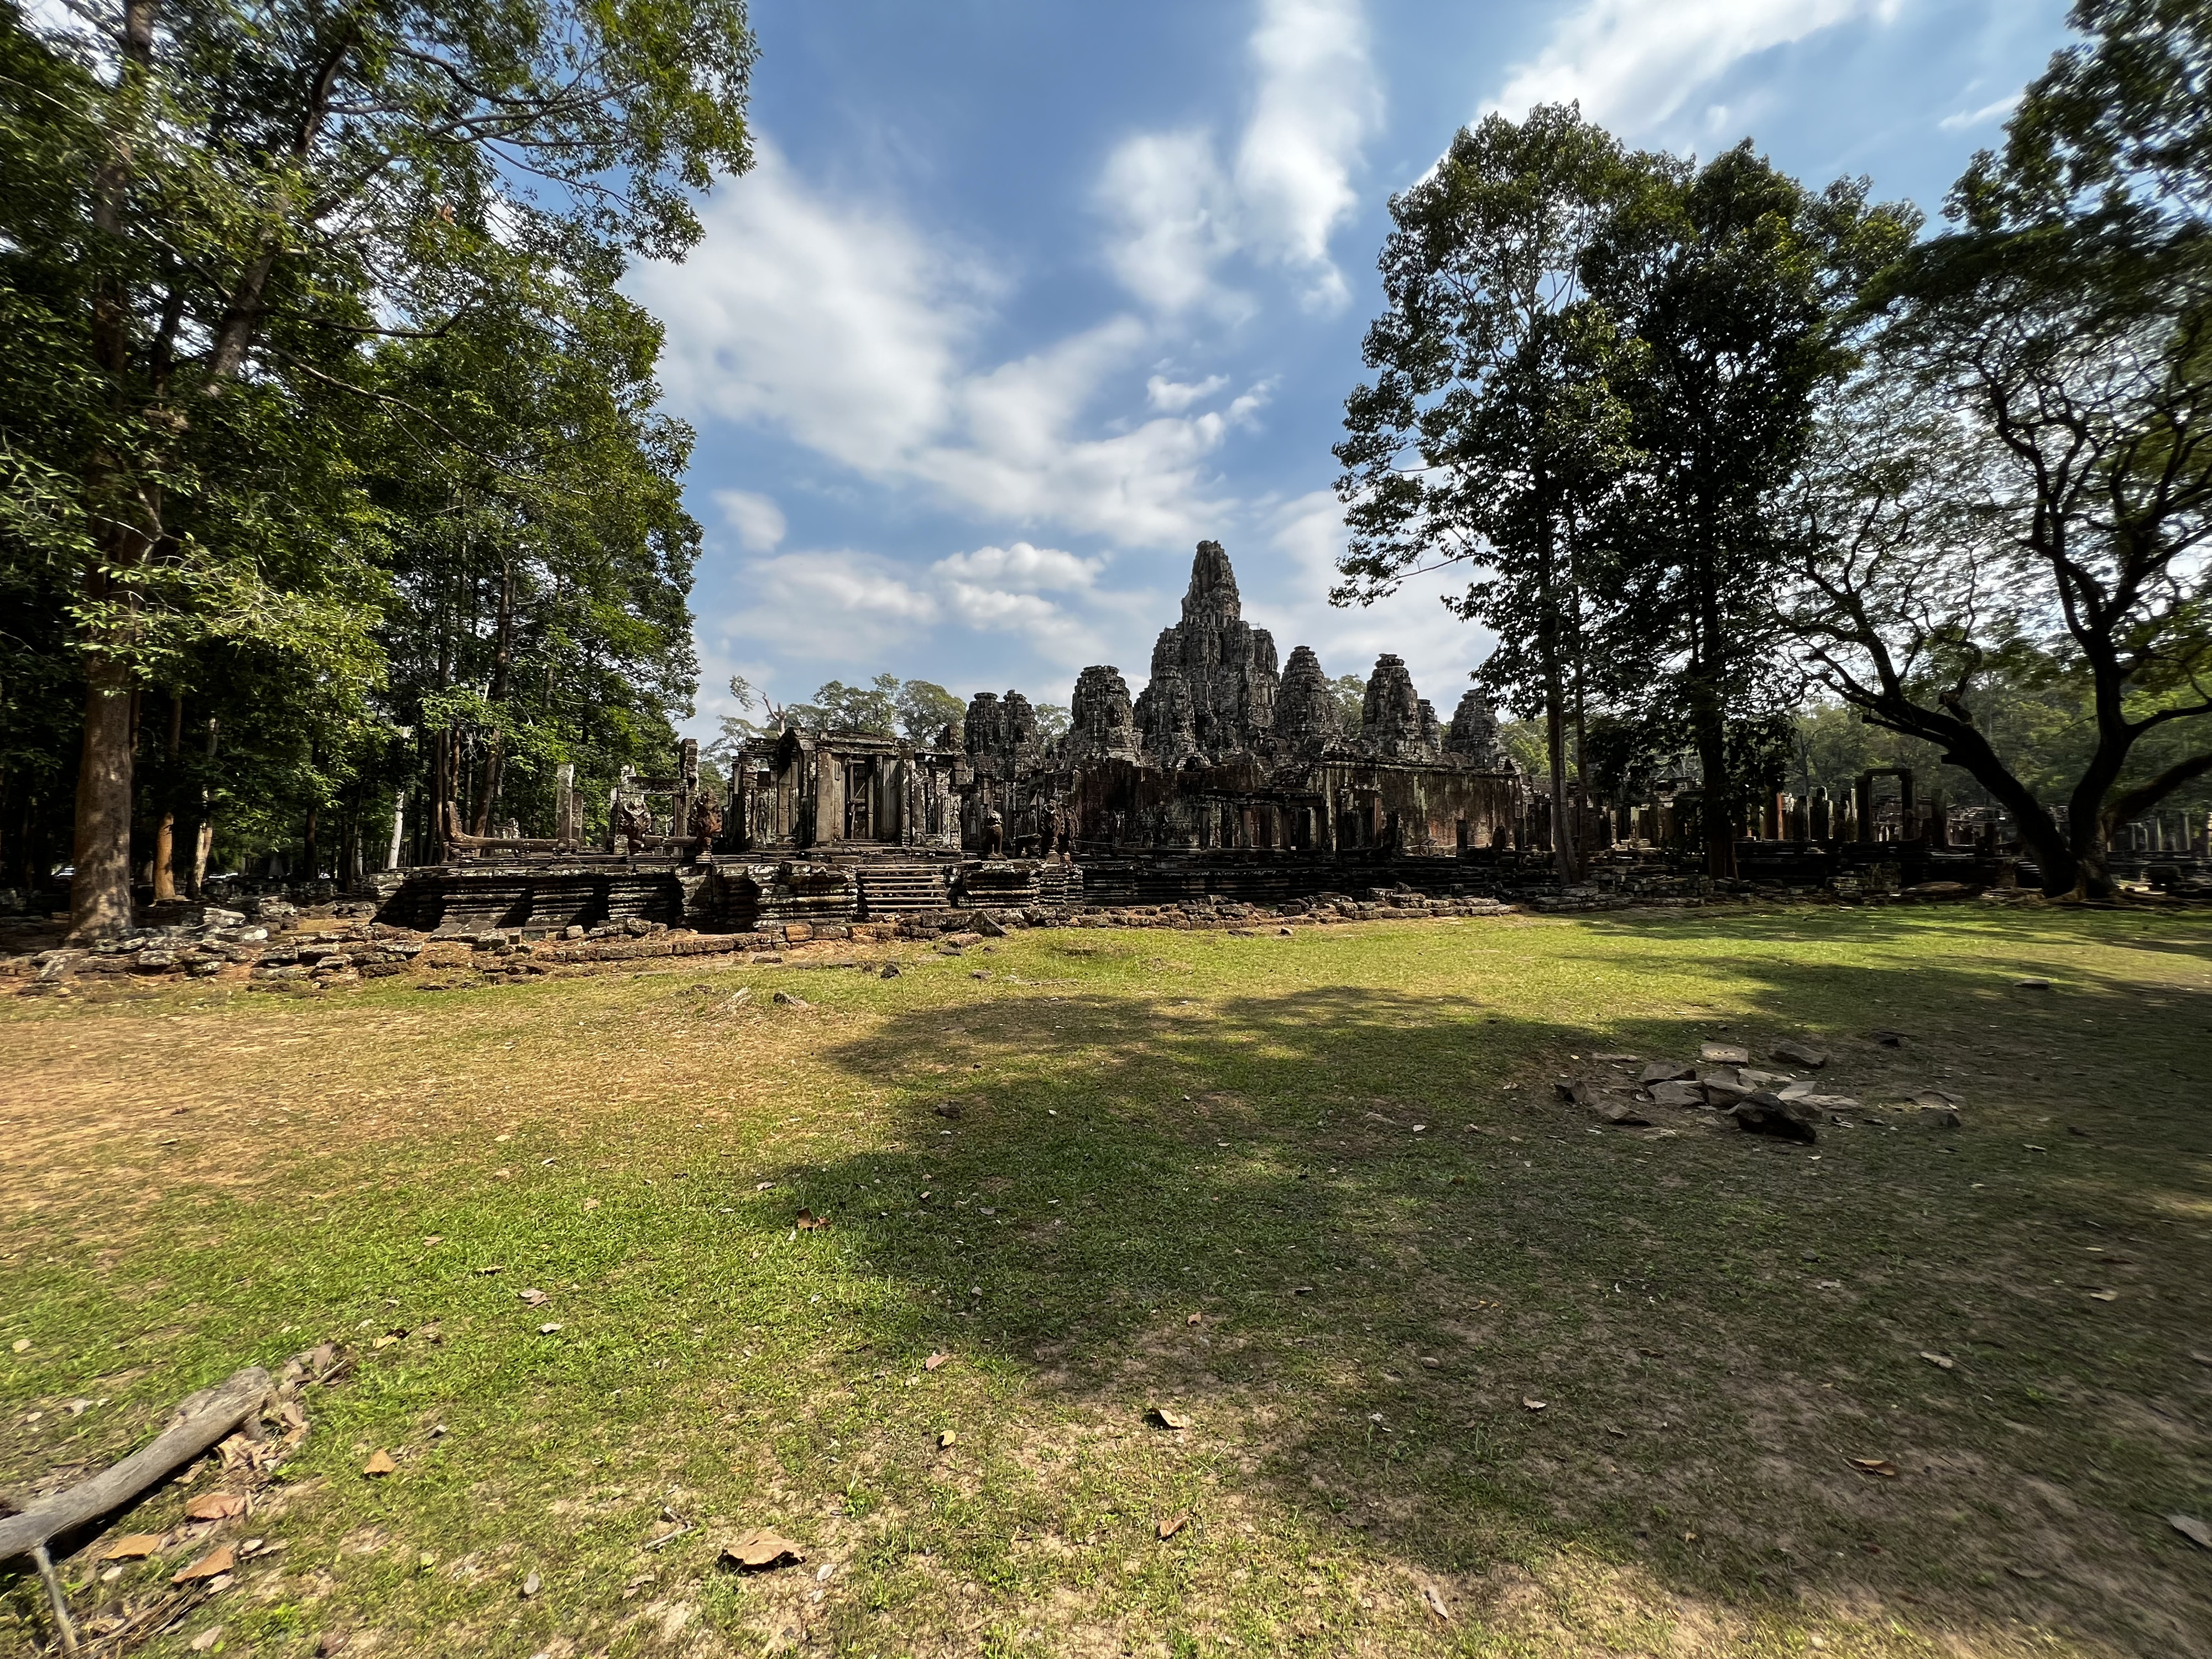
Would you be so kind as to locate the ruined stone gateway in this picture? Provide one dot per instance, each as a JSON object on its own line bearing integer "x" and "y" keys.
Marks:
{"x": 1226, "y": 775}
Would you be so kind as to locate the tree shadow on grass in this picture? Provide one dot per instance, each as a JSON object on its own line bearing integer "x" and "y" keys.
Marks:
{"x": 1391, "y": 1256}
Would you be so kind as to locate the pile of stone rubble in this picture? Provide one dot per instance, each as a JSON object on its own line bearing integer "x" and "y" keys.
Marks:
{"x": 1724, "y": 1082}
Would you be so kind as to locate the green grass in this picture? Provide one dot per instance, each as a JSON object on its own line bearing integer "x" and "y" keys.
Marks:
{"x": 1165, "y": 1124}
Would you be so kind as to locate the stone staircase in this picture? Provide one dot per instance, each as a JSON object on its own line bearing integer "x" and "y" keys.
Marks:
{"x": 892, "y": 889}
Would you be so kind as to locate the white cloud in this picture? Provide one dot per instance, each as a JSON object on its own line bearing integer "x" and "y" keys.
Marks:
{"x": 1179, "y": 211}
{"x": 842, "y": 606}
{"x": 1173, "y": 397}
{"x": 1963, "y": 121}
{"x": 844, "y": 327}
{"x": 755, "y": 521}
{"x": 1175, "y": 219}
{"x": 1634, "y": 65}
{"x": 1021, "y": 566}
{"x": 1318, "y": 100}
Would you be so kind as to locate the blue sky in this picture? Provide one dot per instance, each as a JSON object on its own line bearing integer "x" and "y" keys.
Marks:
{"x": 1022, "y": 301}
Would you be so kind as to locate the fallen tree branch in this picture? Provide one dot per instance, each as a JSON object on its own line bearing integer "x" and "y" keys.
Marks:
{"x": 202, "y": 1420}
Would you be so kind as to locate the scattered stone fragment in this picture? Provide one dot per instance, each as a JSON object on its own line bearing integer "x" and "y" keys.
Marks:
{"x": 1614, "y": 1109}
{"x": 1723, "y": 1087}
{"x": 1662, "y": 1071}
{"x": 1764, "y": 1114}
{"x": 947, "y": 1109}
{"x": 1791, "y": 1052}
{"x": 1680, "y": 1094}
{"x": 2030, "y": 985}
{"x": 1724, "y": 1053}
{"x": 2191, "y": 1529}
{"x": 787, "y": 999}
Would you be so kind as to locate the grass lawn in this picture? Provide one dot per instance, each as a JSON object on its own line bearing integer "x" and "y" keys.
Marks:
{"x": 1313, "y": 1194}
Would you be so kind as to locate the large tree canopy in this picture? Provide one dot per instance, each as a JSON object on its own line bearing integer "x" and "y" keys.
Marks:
{"x": 284, "y": 278}
{"x": 2027, "y": 466}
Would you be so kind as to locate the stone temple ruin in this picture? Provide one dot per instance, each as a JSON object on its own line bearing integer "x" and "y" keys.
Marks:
{"x": 1228, "y": 777}
{"x": 1230, "y": 780}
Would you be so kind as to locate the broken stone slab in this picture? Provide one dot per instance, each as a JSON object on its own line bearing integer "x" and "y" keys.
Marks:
{"x": 1662, "y": 1070}
{"x": 1825, "y": 1102}
{"x": 1678, "y": 1094}
{"x": 1764, "y": 1114}
{"x": 1791, "y": 1052}
{"x": 1573, "y": 1090}
{"x": 1723, "y": 1087}
{"x": 1614, "y": 1109}
{"x": 1724, "y": 1053}
{"x": 1934, "y": 1117}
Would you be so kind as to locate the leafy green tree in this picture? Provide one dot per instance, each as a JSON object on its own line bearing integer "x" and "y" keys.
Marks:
{"x": 872, "y": 708}
{"x": 925, "y": 710}
{"x": 541, "y": 553}
{"x": 1490, "y": 433}
{"x": 214, "y": 216}
{"x": 2058, "y": 344}
{"x": 1736, "y": 282}
{"x": 1351, "y": 692}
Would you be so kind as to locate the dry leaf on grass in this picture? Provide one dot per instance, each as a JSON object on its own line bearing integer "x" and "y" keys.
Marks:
{"x": 1167, "y": 1417}
{"x": 491, "y": 1270}
{"x": 808, "y": 1221}
{"x": 2104, "y": 1296}
{"x": 215, "y": 1506}
{"x": 934, "y": 1361}
{"x": 132, "y": 1546}
{"x": 1194, "y": 1319}
{"x": 1881, "y": 1466}
{"x": 1942, "y": 1360}
{"x": 1436, "y": 1603}
{"x": 1174, "y": 1524}
{"x": 531, "y": 1586}
{"x": 2191, "y": 1529}
{"x": 549, "y": 1329}
{"x": 380, "y": 1463}
{"x": 1535, "y": 1405}
{"x": 533, "y": 1297}
{"x": 759, "y": 1550}
{"x": 213, "y": 1564}
{"x": 946, "y": 1438}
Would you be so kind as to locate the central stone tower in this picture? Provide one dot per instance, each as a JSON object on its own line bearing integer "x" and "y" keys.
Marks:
{"x": 1214, "y": 678}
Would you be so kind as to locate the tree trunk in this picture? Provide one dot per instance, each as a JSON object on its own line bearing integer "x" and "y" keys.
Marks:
{"x": 1564, "y": 857}
{"x": 100, "y": 891}
{"x": 310, "y": 848}
{"x": 165, "y": 836}
{"x": 502, "y": 659}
